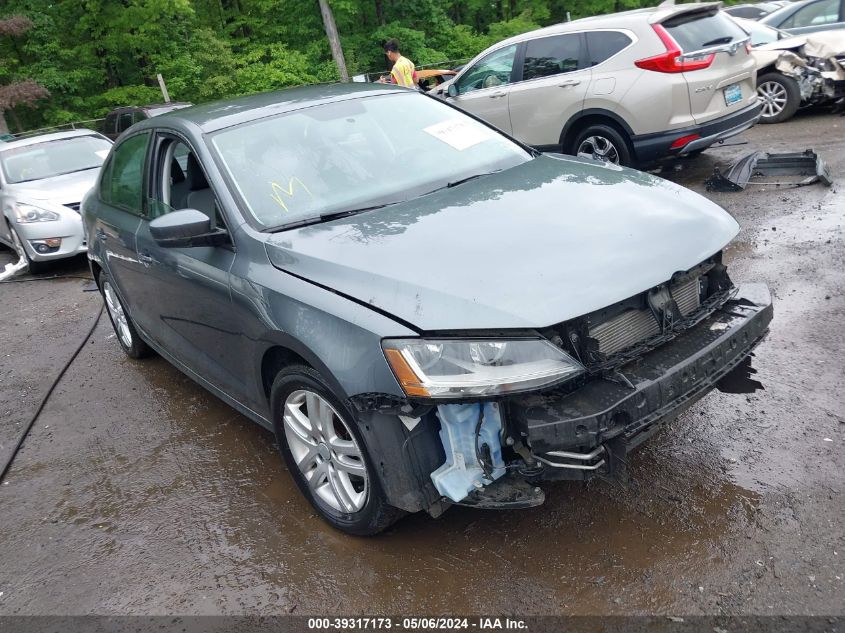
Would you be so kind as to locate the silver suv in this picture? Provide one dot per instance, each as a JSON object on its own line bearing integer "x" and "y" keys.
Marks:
{"x": 629, "y": 87}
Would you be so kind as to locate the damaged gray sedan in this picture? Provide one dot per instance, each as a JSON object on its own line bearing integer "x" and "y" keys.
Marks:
{"x": 424, "y": 311}
{"x": 794, "y": 71}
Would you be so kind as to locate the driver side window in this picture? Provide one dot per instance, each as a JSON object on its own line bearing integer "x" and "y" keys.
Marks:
{"x": 182, "y": 184}
{"x": 493, "y": 70}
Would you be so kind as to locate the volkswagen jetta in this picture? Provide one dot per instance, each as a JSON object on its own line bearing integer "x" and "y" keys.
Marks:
{"x": 424, "y": 311}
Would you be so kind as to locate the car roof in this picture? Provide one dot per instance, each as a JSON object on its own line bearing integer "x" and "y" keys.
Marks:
{"x": 51, "y": 136}
{"x": 622, "y": 19}
{"x": 210, "y": 117}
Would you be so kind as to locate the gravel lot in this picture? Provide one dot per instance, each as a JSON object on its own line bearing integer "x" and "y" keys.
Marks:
{"x": 140, "y": 493}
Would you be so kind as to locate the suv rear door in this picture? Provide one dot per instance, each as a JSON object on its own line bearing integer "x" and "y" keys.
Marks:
{"x": 552, "y": 82}
{"x": 722, "y": 73}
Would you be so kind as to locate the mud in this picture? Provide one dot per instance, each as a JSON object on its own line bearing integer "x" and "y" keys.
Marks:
{"x": 140, "y": 493}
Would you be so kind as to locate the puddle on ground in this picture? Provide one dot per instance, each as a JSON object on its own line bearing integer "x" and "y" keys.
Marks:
{"x": 739, "y": 379}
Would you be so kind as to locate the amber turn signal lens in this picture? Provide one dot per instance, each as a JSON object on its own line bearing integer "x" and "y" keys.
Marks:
{"x": 408, "y": 380}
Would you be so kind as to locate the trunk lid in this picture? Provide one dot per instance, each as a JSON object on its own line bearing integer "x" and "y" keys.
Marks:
{"x": 728, "y": 83}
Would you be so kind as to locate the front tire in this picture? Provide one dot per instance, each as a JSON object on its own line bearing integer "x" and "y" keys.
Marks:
{"x": 602, "y": 142}
{"x": 34, "y": 267}
{"x": 325, "y": 454}
{"x": 780, "y": 95}
{"x": 123, "y": 326}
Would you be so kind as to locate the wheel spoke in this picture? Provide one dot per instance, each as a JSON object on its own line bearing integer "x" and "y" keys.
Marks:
{"x": 339, "y": 489}
{"x": 317, "y": 478}
{"x": 314, "y": 405}
{"x": 343, "y": 447}
{"x": 348, "y": 466}
{"x": 299, "y": 423}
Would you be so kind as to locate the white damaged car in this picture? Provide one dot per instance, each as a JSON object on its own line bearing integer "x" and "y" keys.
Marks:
{"x": 42, "y": 181}
{"x": 796, "y": 70}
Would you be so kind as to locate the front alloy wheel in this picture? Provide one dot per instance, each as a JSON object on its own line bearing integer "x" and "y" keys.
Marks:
{"x": 773, "y": 96}
{"x": 325, "y": 451}
{"x": 780, "y": 96}
{"x": 320, "y": 440}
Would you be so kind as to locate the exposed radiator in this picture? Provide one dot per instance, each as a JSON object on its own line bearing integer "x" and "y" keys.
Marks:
{"x": 634, "y": 326}
{"x": 629, "y": 328}
{"x": 687, "y": 295}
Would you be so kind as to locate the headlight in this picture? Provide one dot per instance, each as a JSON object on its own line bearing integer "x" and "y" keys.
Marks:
{"x": 27, "y": 214}
{"x": 448, "y": 368}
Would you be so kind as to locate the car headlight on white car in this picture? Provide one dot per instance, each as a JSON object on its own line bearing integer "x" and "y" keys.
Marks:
{"x": 452, "y": 368}
{"x": 27, "y": 214}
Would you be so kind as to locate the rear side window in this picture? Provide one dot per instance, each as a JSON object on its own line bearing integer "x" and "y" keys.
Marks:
{"x": 552, "y": 56}
{"x": 125, "y": 121}
{"x": 696, "y": 30}
{"x": 123, "y": 182}
{"x": 824, "y": 12}
{"x": 602, "y": 45}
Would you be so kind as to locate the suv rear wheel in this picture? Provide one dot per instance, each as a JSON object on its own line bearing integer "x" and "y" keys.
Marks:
{"x": 780, "y": 95}
{"x": 603, "y": 143}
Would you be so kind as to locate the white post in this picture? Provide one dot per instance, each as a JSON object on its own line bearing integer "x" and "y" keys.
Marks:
{"x": 163, "y": 88}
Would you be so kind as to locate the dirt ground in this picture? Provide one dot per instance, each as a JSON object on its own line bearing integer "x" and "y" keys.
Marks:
{"x": 140, "y": 493}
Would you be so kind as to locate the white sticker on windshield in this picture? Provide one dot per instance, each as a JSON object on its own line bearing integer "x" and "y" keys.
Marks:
{"x": 102, "y": 153}
{"x": 459, "y": 134}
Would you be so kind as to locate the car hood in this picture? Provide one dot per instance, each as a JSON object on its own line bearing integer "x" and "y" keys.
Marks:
{"x": 63, "y": 190}
{"x": 529, "y": 247}
{"x": 822, "y": 44}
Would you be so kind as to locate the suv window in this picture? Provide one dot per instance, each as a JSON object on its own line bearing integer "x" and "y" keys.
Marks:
{"x": 493, "y": 70}
{"x": 825, "y": 12}
{"x": 602, "y": 45}
{"x": 125, "y": 121}
{"x": 695, "y": 30}
{"x": 123, "y": 180}
{"x": 554, "y": 55}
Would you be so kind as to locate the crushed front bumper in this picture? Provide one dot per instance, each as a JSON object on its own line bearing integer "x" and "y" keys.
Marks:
{"x": 587, "y": 432}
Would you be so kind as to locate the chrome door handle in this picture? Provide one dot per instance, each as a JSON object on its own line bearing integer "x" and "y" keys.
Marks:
{"x": 101, "y": 235}
{"x": 571, "y": 82}
{"x": 496, "y": 95}
{"x": 145, "y": 259}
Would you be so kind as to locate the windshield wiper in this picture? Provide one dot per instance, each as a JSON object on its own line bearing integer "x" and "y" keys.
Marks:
{"x": 460, "y": 181}
{"x": 719, "y": 40}
{"x": 328, "y": 217}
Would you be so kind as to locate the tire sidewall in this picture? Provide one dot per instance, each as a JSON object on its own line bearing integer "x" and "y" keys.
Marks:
{"x": 612, "y": 135}
{"x": 367, "y": 520}
{"x": 793, "y": 96}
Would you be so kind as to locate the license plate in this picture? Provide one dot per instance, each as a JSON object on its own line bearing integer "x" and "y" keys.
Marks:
{"x": 733, "y": 94}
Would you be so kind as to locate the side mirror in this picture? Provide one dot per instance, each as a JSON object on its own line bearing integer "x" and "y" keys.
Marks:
{"x": 453, "y": 90}
{"x": 186, "y": 228}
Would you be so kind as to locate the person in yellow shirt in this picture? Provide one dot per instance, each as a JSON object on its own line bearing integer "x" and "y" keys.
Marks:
{"x": 403, "y": 72}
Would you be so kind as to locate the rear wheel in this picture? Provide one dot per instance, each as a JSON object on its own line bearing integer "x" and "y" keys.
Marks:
{"x": 780, "y": 95}
{"x": 325, "y": 454}
{"x": 602, "y": 142}
{"x": 124, "y": 328}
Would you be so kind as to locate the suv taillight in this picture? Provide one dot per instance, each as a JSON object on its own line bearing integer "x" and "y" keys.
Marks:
{"x": 673, "y": 60}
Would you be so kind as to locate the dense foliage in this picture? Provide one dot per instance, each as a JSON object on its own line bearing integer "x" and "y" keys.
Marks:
{"x": 92, "y": 55}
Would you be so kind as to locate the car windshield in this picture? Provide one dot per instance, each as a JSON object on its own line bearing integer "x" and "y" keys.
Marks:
{"x": 356, "y": 153}
{"x": 53, "y": 158}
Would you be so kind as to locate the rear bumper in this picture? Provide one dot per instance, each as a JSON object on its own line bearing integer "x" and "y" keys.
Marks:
{"x": 649, "y": 147}
{"x": 584, "y": 433}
